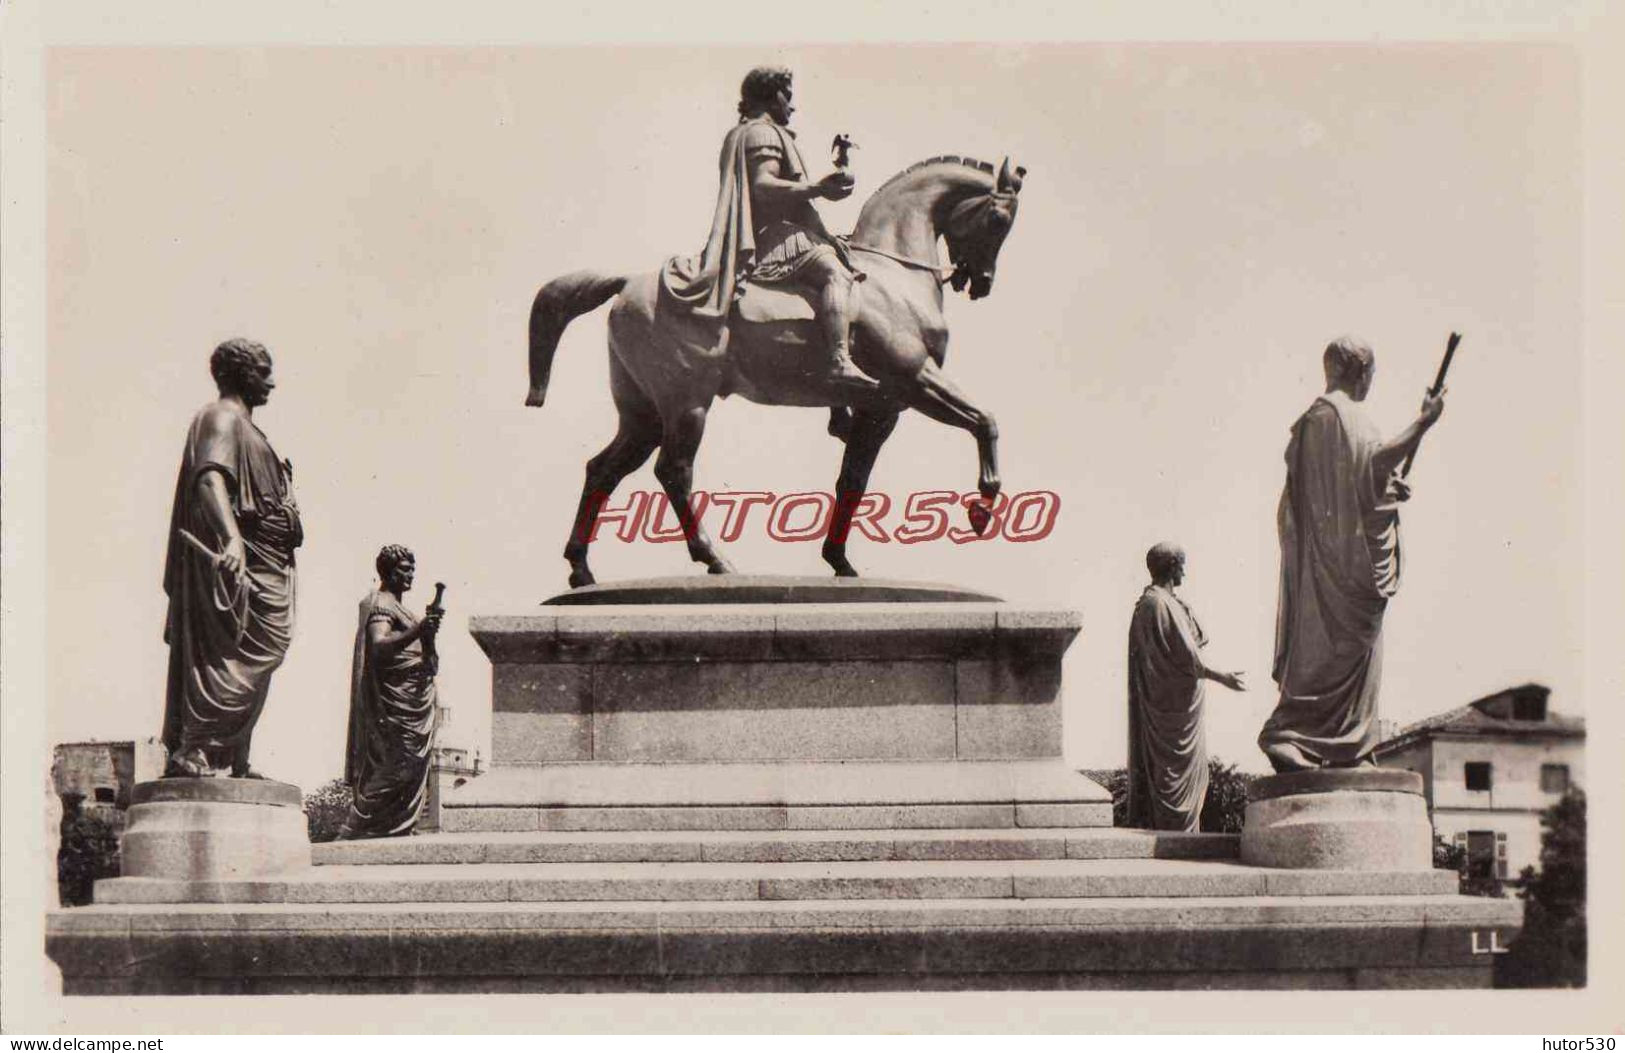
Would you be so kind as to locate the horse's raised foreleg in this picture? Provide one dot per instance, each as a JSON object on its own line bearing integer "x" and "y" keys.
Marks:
{"x": 934, "y": 395}
{"x": 679, "y": 444}
{"x": 867, "y": 434}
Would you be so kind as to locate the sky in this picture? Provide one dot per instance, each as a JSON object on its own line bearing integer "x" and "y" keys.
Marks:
{"x": 1197, "y": 222}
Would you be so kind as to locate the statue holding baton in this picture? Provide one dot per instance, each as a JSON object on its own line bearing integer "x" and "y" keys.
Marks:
{"x": 1339, "y": 529}
{"x": 392, "y": 703}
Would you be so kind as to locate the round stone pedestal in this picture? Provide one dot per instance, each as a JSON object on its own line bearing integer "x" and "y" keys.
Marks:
{"x": 1338, "y": 819}
{"x": 212, "y": 829}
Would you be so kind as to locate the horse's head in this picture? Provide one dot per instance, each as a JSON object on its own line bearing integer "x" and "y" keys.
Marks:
{"x": 976, "y": 229}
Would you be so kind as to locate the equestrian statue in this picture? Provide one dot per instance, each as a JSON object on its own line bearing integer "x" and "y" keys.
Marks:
{"x": 777, "y": 310}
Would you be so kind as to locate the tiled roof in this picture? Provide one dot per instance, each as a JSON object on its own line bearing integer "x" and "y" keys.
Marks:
{"x": 1470, "y": 720}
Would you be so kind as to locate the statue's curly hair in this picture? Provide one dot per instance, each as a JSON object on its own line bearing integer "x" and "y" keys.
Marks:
{"x": 1348, "y": 358}
{"x": 756, "y": 91}
{"x": 234, "y": 360}
{"x": 390, "y": 557}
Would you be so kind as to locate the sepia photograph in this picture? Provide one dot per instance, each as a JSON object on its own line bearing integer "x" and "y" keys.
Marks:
{"x": 875, "y": 515}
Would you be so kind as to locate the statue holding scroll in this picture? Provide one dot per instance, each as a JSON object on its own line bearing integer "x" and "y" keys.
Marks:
{"x": 392, "y": 704}
{"x": 229, "y": 573}
{"x": 1340, "y": 563}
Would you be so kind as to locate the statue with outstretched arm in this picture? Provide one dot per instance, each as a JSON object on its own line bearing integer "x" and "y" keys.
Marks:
{"x": 1167, "y": 742}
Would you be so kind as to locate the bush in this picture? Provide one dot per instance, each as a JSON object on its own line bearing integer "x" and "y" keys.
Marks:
{"x": 1551, "y": 950}
{"x": 88, "y": 851}
{"x": 1222, "y": 812}
{"x": 1114, "y": 780}
{"x": 1226, "y": 804}
{"x": 326, "y": 808}
{"x": 1449, "y": 856}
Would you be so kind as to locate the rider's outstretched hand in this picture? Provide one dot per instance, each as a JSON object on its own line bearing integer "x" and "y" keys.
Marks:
{"x": 836, "y": 185}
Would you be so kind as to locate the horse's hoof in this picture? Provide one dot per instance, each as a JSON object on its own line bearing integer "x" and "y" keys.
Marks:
{"x": 535, "y": 398}
{"x": 721, "y": 566}
{"x": 581, "y": 578}
{"x": 980, "y": 517}
{"x": 848, "y": 571}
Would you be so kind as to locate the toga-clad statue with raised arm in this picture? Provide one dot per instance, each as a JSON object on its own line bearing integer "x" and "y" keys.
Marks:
{"x": 1340, "y": 564}
{"x": 392, "y": 704}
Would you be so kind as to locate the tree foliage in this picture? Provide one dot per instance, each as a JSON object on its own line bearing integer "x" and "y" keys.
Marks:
{"x": 1449, "y": 856}
{"x": 88, "y": 851}
{"x": 1226, "y": 804}
{"x": 1222, "y": 812}
{"x": 326, "y": 808}
{"x": 1551, "y": 950}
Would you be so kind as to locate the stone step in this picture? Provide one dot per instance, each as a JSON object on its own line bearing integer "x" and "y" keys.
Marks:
{"x": 777, "y": 846}
{"x": 921, "y": 880}
{"x": 788, "y": 796}
{"x": 1136, "y": 943}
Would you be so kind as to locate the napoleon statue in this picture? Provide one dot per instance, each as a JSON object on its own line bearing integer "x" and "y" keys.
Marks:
{"x": 392, "y": 704}
{"x": 229, "y": 572}
{"x": 766, "y": 231}
{"x": 1340, "y": 562}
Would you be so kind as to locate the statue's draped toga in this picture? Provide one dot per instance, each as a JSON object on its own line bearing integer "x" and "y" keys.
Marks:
{"x": 227, "y": 637}
{"x": 392, "y": 712}
{"x": 1167, "y": 749}
{"x": 1339, "y": 566}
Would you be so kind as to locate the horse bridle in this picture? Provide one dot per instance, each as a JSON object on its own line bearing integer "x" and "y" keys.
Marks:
{"x": 944, "y": 274}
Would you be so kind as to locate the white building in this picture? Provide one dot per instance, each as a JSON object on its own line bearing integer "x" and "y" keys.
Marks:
{"x": 101, "y": 774}
{"x": 1489, "y": 769}
{"x": 449, "y": 768}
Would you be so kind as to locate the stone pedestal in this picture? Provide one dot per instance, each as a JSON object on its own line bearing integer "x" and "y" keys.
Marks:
{"x": 1338, "y": 819}
{"x": 735, "y": 679}
{"x": 773, "y": 703}
{"x": 214, "y": 829}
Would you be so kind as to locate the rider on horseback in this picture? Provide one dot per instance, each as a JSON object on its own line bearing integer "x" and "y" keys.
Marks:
{"x": 766, "y": 230}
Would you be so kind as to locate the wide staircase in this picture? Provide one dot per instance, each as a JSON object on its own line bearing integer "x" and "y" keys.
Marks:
{"x": 743, "y": 784}
{"x": 775, "y": 891}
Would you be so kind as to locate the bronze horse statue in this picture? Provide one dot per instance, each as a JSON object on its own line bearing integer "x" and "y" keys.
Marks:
{"x": 663, "y": 384}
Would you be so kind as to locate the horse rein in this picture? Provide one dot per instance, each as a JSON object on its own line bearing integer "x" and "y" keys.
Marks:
{"x": 943, "y": 273}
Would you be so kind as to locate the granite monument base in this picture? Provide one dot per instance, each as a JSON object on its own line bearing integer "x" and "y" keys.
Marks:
{"x": 1338, "y": 819}
{"x": 214, "y": 830}
{"x": 751, "y": 785}
{"x": 744, "y": 702}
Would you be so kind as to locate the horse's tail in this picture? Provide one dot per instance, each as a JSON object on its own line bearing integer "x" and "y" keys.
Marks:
{"x": 559, "y": 303}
